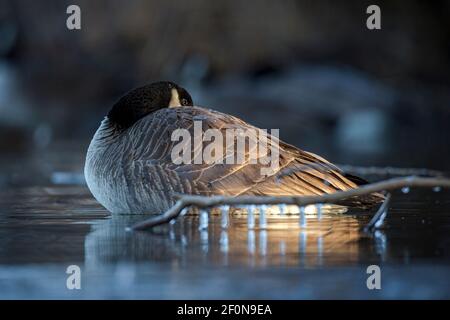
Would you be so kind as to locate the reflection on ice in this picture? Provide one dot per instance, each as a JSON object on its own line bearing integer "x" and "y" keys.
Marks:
{"x": 204, "y": 241}
{"x": 171, "y": 233}
{"x": 263, "y": 242}
{"x": 251, "y": 241}
{"x": 302, "y": 247}
{"x": 282, "y": 242}
{"x": 380, "y": 244}
{"x": 184, "y": 241}
{"x": 203, "y": 220}
{"x": 224, "y": 211}
{"x": 320, "y": 250}
{"x": 223, "y": 241}
{"x": 319, "y": 211}
{"x": 251, "y": 216}
{"x": 262, "y": 217}
{"x": 302, "y": 217}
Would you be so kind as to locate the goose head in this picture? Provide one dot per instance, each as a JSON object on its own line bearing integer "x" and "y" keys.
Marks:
{"x": 142, "y": 101}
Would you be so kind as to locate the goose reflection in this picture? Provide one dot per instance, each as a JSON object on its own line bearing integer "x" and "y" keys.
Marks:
{"x": 109, "y": 242}
{"x": 325, "y": 240}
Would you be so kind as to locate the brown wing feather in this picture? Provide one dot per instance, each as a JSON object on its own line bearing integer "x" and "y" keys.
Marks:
{"x": 299, "y": 173}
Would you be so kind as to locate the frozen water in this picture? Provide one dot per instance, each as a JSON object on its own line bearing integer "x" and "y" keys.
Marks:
{"x": 184, "y": 240}
{"x": 262, "y": 217}
{"x": 223, "y": 241}
{"x": 380, "y": 244}
{"x": 282, "y": 248}
{"x": 251, "y": 241}
{"x": 320, "y": 250}
{"x": 263, "y": 242}
{"x": 203, "y": 223}
{"x": 302, "y": 245}
{"x": 224, "y": 219}
{"x": 251, "y": 216}
{"x": 204, "y": 240}
{"x": 302, "y": 217}
{"x": 319, "y": 211}
{"x": 171, "y": 233}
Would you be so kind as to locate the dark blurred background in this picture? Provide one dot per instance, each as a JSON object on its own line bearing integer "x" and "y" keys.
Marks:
{"x": 310, "y": 68}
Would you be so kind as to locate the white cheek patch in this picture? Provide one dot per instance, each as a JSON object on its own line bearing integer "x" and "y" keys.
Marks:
{"x": 174, "y": 99}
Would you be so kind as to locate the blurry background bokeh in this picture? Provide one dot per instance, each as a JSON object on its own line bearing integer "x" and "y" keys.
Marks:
{"x": 310, "y": 68}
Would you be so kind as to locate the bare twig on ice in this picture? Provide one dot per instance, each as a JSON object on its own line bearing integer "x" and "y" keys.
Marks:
{"x": 378, "y": 218}
{"x": 186, "y": 201}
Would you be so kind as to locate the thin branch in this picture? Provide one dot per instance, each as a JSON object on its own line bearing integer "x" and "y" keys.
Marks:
{"x": 209, "y": 202}
{"x": 379, "y": 216}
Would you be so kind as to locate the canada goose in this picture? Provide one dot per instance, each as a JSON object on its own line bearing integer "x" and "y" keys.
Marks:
{"x": 130, "y": 169}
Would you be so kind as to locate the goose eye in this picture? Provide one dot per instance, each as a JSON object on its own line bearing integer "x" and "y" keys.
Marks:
{"x": 184, "y": 102}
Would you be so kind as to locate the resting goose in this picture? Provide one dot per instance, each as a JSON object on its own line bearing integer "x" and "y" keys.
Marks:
{"x": 130, "y": 167}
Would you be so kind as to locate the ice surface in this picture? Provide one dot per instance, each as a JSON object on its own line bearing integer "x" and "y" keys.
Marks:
{"x": 203, "y": 223}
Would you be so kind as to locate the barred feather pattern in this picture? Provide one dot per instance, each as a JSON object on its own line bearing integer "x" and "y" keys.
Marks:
{"x": 131, "y": 170}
